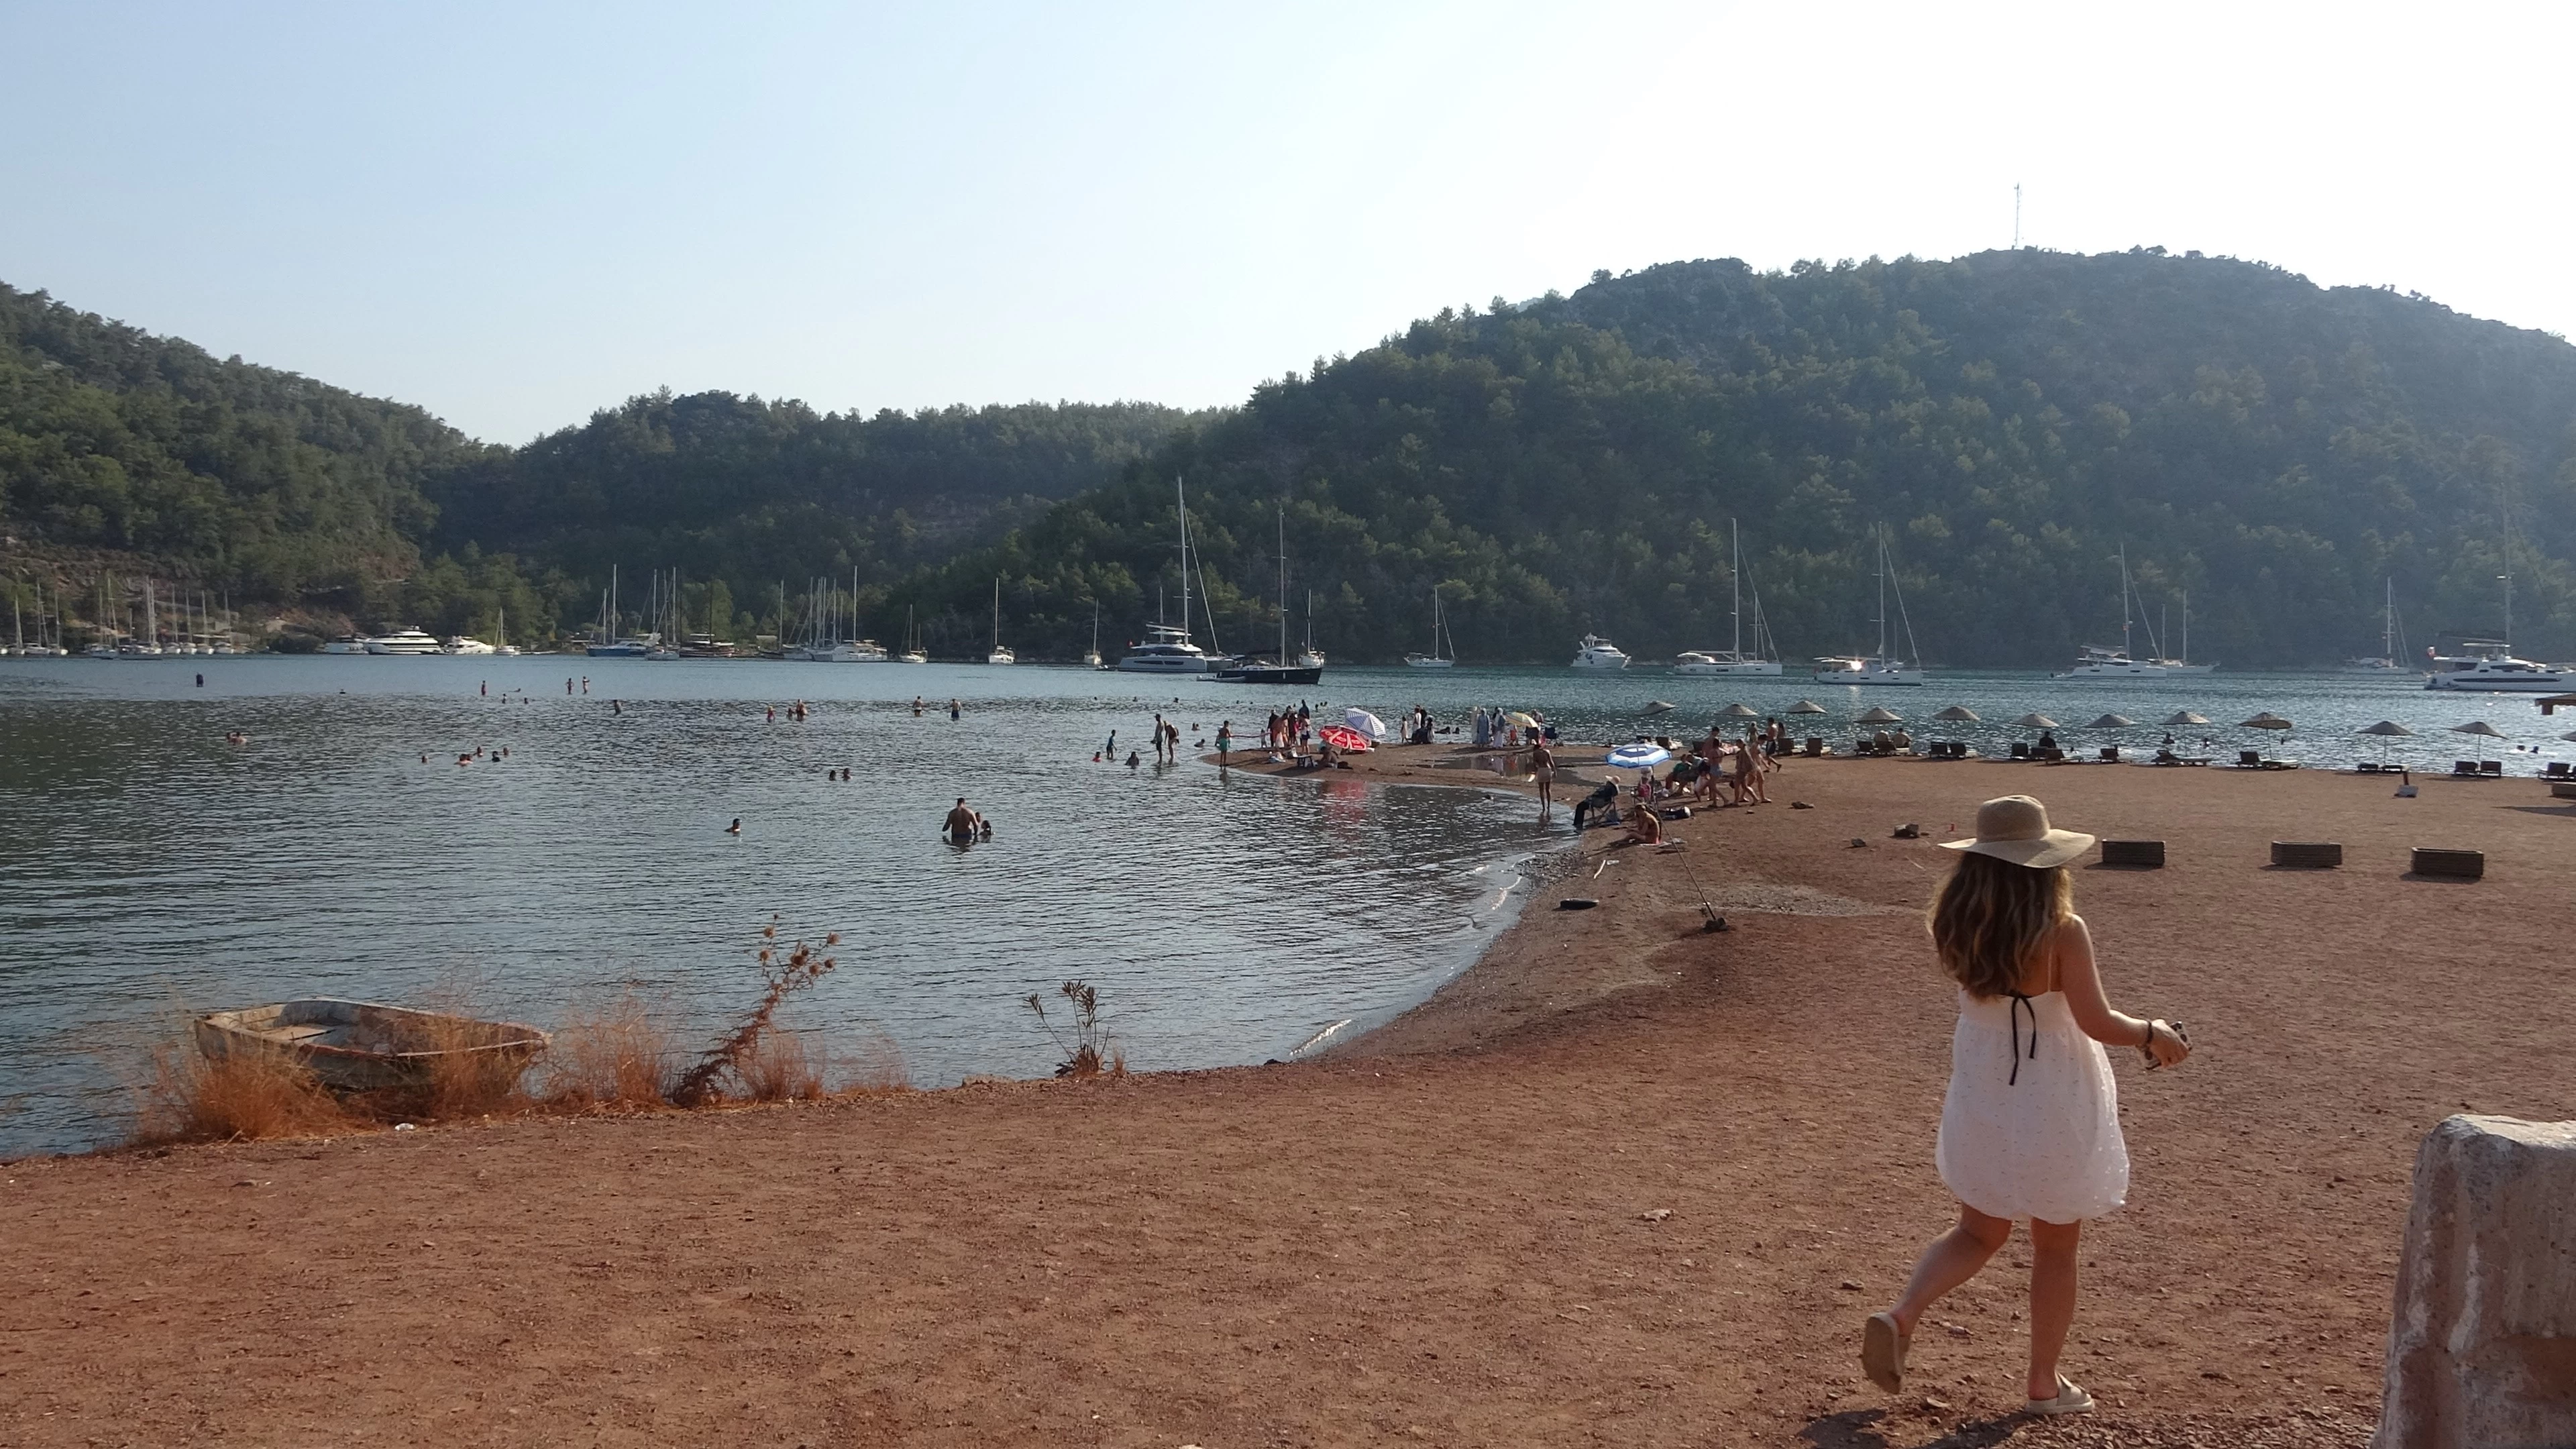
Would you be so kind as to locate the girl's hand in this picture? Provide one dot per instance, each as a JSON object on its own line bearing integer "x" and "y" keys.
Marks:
{"x": 2166, "y": 1046}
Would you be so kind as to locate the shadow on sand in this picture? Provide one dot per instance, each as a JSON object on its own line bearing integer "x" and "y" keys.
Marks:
{"x": 1858, "y": 1429}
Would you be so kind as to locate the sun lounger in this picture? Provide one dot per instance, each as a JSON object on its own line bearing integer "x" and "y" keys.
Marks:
{"x": 2020, "y": 751}
{"x": 2467, "y": 768}
{"x": 2557, "y": 770}
{"x": 2249, "y": 759}
{"x": 1815, "y": 745}
{"x": 2491, "y": 767}
{"x": 2110, "y": 754}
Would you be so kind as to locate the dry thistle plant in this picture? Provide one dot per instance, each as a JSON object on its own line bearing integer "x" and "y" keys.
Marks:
{"x": 1086, "y": 1043}
{"x": 745, "y": 1046}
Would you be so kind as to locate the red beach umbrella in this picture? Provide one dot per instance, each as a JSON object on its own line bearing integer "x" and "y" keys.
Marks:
{"x": 1343, "y": 738}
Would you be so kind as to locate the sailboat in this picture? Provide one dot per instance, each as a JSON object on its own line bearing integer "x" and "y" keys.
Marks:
{"x": 1000, "y": 655}
{"x": 1310, "y": 657}
{"x": 148, "y": 646}
{"x": 1732, "y": 660}
{"x": 1877, "y": 668}
{"x": 2488, "y": 666}
{"x": 913, "y": 653}
{"x": 1091, "y": 656}
{"x": 2178, "y": 665}
{"x": 2389, "y": 662}
{"x": 2096, "y": 662}
{"x": 1265, "y": 671}
{"x": 1168, "y": 648}
{"x": 1439, "y": 631}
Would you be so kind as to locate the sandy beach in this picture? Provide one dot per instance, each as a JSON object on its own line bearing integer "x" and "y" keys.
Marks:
{"x": 1624, "y": 1182}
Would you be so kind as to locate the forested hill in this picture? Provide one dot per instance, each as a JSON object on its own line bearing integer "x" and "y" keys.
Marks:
{"x": 267, "y": 483}
{"x": 2268, "y": 448}
{"x": 752, "y": 491}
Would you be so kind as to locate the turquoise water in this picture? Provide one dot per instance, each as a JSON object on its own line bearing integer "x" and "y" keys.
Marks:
{"x": 148, "y": 867}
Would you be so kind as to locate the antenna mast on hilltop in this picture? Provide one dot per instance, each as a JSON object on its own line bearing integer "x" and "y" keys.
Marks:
{"x": 2016, "y": 216}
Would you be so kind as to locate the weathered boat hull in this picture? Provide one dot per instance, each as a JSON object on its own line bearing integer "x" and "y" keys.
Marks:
{"x": 362, "y": 1046}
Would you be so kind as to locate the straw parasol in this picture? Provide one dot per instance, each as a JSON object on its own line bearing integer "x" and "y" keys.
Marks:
{"x": 2266, "y": 721}
{"x": 1739, "y": 711}
{"x": 1880, "y": 714}
{"x": 1806, "y": 706}
{"x": 2386, "y": 730}
{"x": 1659, "y": 706}
{"x": 1959, "y": 714}
{"x": 2035, "y": 721}
{"x": 2570, "y": 736}
{"x": 2185, "y": 717}
{"x": 2111, "y": 722}
{"x": 2478, "y": 727}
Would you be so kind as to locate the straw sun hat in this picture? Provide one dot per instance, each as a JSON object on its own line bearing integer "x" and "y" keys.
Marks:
{"x": 2015, "y": 828}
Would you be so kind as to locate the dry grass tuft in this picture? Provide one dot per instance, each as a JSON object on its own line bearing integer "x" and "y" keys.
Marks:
{"x": 615, "y": 1057}
{"x": 778, "y": 1068}
{"x": 754, "y": 1033}
{"x": 1089, "y": 1050}
{"x": 241, "y": 1098}
{"x": 874, "y": 1066}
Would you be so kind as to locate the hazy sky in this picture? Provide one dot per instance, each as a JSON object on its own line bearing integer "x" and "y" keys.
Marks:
{"x": 516, "y": 213}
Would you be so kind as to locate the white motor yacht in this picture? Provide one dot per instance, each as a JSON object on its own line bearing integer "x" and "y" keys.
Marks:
{"x": 2485, "y": 666}
{"x": 2097, "y": 662}
{"x": 1166, "y": 650}
{"x": 345, "y": 644}
{"x": 467, "y": 644}
{"x": 402, "y": 641}
{"x": 1596, "y": 652}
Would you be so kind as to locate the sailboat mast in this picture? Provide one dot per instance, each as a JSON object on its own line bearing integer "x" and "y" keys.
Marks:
{"x": 1181, "y": 504}
{"x": 1283, "y": 583}
{"x": 2125, "y": 650}
{"x": 1735, "y": 577}
{"x": 1882, "y": 595}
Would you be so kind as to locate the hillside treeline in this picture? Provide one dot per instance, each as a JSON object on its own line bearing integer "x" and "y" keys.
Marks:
{"x": 2266, "y": 450}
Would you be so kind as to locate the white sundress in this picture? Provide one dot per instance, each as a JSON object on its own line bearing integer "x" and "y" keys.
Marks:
{"x": 2031, "y": 1125}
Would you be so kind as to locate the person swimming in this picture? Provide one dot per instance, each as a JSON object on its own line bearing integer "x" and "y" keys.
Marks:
{"x": 736, "y": 827}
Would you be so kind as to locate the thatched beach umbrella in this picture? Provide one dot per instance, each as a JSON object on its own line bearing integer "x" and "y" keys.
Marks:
{"x": 1659, "y": 706}
{"x": 1959, "y": 714}
{"x": 1806, "y": 706}
{"x": 1880, "y": 714}
{"x": 2570, "y": 737}
{"x": 2266, "y": 721}
{"x": 2386, "y": 730}
{"x": 2478, "y": 727}
{"x": 1739, "y": 711}
{"x": 2035, "y": 721}
{"x": 2111, "y": 722}
{"x": 2185, "y": 717}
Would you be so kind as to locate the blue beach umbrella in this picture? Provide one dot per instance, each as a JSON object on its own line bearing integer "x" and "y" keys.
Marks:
{"x": 1637, "y": 757}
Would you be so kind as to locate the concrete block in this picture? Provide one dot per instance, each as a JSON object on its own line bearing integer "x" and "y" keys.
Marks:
{"x": 2482, "y": 1347}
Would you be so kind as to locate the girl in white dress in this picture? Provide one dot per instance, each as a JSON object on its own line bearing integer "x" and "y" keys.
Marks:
{"x": 2030, "y": 1127}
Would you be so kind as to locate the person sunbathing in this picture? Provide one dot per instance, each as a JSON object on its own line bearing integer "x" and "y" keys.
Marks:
{"x": 1645, "y": 827}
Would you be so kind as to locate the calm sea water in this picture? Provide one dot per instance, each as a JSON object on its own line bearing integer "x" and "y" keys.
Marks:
{"x": 147, "y": 867}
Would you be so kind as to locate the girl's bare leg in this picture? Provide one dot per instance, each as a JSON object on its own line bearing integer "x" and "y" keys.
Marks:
{"x": 1953, "y": 1259}
{"x": 2052, "y": 1299}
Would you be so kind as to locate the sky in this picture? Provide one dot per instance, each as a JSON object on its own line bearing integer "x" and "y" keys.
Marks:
{"x": 514, "y": 214}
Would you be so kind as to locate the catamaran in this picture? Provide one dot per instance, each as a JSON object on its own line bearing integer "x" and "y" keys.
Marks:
{"x": 1168, "y": 648}
{"x": 2096, "y": 662}
{"x": 2485, "y": 666}
{"x": 1877, "y": 668}
{"x": 1733, "y": 660}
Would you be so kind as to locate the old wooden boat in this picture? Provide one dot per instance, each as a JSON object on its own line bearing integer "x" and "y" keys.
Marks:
{"x": 361, "y": 1046}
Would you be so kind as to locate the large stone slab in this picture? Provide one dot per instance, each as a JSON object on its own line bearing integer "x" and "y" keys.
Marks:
{"x": 2482, "y": 1350}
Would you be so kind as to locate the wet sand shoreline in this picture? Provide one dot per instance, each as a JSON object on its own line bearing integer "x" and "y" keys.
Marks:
{"x": 1444, "y": 1231}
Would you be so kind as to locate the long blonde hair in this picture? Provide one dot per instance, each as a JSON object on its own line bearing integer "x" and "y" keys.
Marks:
{"x": 1991, "y": 917}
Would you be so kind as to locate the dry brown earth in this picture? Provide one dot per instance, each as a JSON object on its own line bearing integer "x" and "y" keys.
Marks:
{"x": 1440, "y": 1235}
